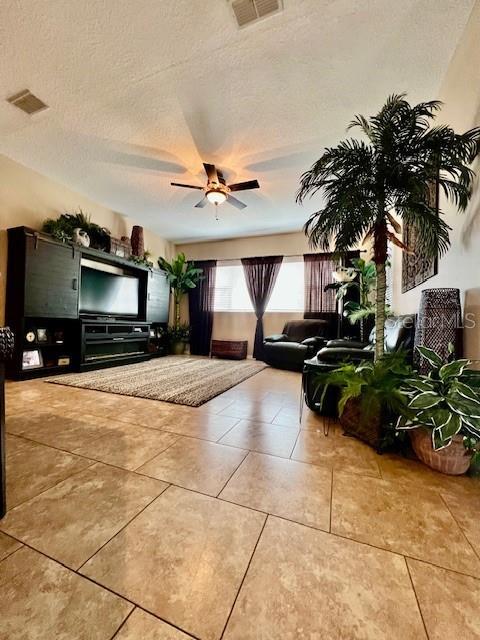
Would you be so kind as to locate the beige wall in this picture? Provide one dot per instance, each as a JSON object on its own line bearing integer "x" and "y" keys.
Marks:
{"x": 27, "y": 198}
{"x": 239, "y": 325}
{"x": 460, "y": 267}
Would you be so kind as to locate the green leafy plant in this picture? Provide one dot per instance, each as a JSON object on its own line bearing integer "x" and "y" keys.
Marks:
{"x": 182, "y": 276}
{"x": 63, "y": 227}
{"x": 365, "y": 184}
{"x": 144, "y": 260}
{"x": 180, "y": 333}
{"x": 445, "y": 401}
{"x": 376, "y": 385}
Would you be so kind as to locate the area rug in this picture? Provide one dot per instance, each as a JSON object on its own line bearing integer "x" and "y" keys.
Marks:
{"x": 179, "y": 379}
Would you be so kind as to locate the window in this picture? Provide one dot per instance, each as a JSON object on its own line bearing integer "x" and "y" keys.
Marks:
{"x": 231, "y": 289}
{"x": 231, "y": 292}
{"x": 288, "y": 293}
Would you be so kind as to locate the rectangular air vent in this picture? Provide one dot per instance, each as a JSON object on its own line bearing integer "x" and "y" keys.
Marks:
{"x": 27, "y": 102}
{"x": 248, "y": 11}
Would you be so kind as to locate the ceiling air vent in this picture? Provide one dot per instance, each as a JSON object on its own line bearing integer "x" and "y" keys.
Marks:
{"x": 248, "y": 11}
{"x": 27, "y": 102}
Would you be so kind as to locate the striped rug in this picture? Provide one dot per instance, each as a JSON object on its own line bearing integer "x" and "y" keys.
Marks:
{"x": 179, "y": 379}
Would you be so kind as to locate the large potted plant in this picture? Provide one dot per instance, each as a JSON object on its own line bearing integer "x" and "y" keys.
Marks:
{"x": 365, "y": 281}
{"x": 443, "y": 414}
{"x": 182, "y": 276}
{"x": 370, "y": 395}
{"x": 367, "y": 185}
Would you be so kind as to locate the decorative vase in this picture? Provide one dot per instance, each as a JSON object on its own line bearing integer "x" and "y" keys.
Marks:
{"x": 439, "y": 323}
{"x": 81, "y": 237}
{"x": 138, "y": 245}
{"x": 453, "y": 460}
{"x": 178, "y": 348}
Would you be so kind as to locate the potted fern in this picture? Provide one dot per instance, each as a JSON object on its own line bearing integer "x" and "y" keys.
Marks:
{"x": 443, "y": 414}
{"x": 369, "y": 395}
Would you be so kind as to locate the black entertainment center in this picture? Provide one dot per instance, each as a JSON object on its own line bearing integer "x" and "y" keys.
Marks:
{"x": 74, "y": 308}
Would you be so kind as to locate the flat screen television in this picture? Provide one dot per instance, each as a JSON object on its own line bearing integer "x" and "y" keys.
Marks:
{"x": 108, "y": 294}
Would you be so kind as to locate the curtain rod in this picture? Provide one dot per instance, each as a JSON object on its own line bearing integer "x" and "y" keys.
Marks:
{"x": 290, "y": 255}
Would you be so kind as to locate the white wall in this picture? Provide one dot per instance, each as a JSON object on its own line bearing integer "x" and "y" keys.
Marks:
{"x": 460, "y": 267}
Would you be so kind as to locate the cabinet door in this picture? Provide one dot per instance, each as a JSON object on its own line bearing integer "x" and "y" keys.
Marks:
{"x": 158, "y": 297}
{"x": 51, "y": 279}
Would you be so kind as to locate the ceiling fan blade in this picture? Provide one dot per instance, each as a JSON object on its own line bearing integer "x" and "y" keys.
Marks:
{"x": 202, "y": 203}
{"x": 221, "y": 179}
{"x": 243, "y": 186}
{"x": 211, "y": 172}
{"x": 187, "y": 186}
{"x": 236, "y": 203}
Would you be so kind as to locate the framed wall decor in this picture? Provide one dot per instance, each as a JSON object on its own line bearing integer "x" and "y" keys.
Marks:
{"x": 32, "y": 359}
{"x": 416, "y": 267}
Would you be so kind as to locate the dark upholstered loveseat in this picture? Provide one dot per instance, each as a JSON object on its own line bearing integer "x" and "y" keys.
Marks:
{"x": 300, "y": 339}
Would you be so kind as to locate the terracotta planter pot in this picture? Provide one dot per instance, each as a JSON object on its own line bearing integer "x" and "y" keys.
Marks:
{"x": 454, "y": 460}
{"x": 178, "y": 348}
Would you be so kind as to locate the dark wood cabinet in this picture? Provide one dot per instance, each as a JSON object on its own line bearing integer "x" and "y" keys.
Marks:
{"x": 52, "y": 273}
{"x": 158, "y": 297}
{"x": 43, "y": 304}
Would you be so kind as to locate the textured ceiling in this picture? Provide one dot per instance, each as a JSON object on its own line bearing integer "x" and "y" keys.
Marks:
{"x": 141, "y": 92}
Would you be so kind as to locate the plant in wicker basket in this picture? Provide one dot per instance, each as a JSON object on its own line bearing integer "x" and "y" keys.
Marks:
{"x": 370, "y": 395}
{"x": 444, "y": 412}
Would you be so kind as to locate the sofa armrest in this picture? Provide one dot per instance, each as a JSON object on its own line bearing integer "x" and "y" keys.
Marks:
{"x": 314, "y": 343}
{"x": 277, "y": 337}
{"x": 347, "y": 344}
{"x": 342, "y": 354}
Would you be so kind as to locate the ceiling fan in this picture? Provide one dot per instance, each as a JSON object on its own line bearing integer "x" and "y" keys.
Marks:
{"x": 217, "y": 191}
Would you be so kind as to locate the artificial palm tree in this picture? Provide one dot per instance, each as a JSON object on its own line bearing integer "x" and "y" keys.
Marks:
{"x": 367, "y": 185}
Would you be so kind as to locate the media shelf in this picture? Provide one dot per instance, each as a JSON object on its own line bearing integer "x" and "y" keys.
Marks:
{"x": 46, "y": 285}
{"x": 108, "y": 343}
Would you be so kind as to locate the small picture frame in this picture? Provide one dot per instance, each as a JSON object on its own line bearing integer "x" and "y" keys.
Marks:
{"x": 42, "y": 335}
{"x": 32, "y": 359}
{"x": 59, "y": 337}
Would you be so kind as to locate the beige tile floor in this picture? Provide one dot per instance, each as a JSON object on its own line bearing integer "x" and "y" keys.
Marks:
{"x": 139, "y": 520}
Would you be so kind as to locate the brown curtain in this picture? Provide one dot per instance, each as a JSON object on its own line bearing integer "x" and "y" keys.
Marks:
{"x": 260, "y": 275}
{"x": 200, "y": 303}
{"x": 318, "y": 273}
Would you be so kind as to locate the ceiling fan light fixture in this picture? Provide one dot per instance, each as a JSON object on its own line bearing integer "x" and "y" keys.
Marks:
{"x": 216, "y": 196}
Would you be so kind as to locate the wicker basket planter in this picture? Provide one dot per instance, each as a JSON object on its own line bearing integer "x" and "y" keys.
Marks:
{"x": 354, "y": 424}
{"x": 454, "y": 460}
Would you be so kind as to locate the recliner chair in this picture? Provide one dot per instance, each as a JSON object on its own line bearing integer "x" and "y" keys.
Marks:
{"x": 300, "y": 340}
{"x": 399, "y": 334}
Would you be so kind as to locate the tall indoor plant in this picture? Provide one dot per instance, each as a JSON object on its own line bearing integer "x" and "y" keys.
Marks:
{"x": 366, "y": 183}
{"x": 182, "y": 276}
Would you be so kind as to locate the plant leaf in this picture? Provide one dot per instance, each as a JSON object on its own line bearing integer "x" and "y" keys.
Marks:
{"x": 430, "y": 355}
{"x": 453, "y": 369}
{"x": 425, "y": 400}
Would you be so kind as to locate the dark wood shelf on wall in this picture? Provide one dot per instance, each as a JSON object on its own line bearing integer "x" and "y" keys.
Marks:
{"x": 43, "y": 299}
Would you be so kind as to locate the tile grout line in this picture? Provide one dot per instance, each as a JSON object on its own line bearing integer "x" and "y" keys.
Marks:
{"x": 477, "y": 555}
{"x": 237, "y": 468}
{"x": 124, "y": 526}
{"x": 14, "y": 551}
{"x": 243, "y": 579}
{"x": 74, "y": 473}
{"x": 102, "y": 586}
{"x": 123, "y": 622}
{"x": 416, "y": 597}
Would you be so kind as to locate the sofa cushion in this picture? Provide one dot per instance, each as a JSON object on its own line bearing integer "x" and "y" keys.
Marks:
{"x": 299, "y": 330}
